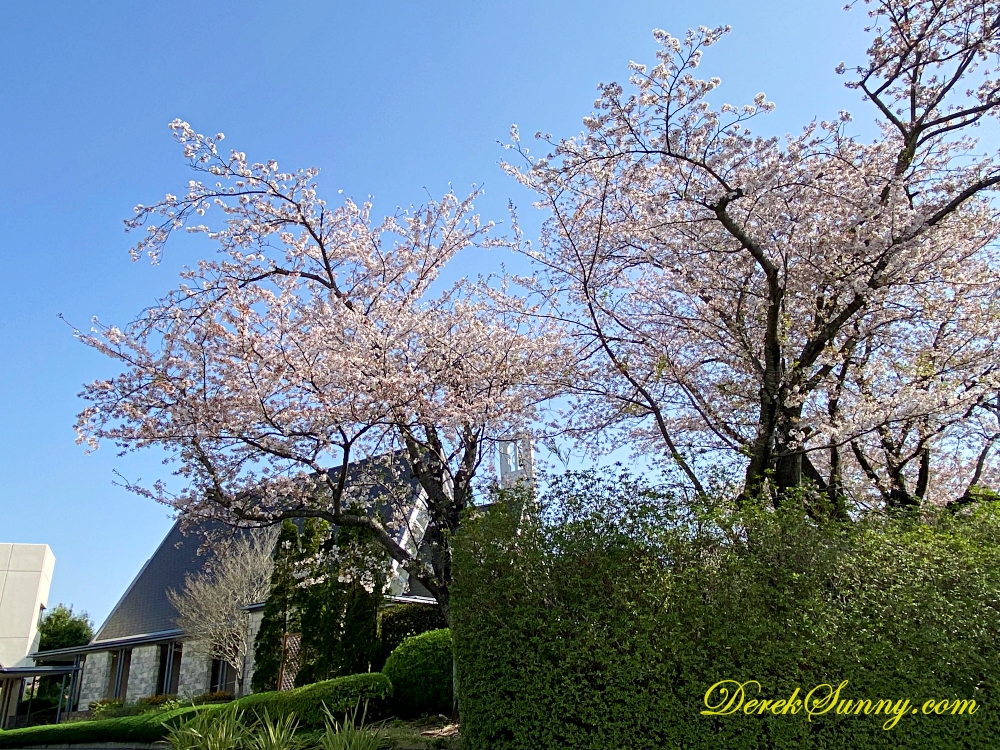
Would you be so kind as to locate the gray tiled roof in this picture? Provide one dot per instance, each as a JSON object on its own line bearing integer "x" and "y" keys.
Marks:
{"x": 145, "y": 609}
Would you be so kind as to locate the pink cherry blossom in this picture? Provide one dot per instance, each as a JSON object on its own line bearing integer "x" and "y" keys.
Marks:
{"x": 315, "y": 339}
{"x": 814, "y": 308}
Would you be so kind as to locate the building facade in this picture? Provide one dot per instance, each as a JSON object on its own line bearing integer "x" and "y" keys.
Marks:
{"x": 25, "y": 577}
{"x": 139, "y": 651}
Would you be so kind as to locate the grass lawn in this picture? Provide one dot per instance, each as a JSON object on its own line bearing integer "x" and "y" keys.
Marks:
{"x": 408, "y": 735}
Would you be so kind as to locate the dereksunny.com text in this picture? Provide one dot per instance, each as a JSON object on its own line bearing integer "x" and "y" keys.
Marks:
{"x": 728, "y": 697}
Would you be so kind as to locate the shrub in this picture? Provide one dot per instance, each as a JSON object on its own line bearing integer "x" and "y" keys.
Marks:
{"x": 604, "y": 624}
{"x": 420, "y": 669}
{"x": 306, "y": 703}
{"x": 349, "y": 734}
{"x": 219, "y": 729}
{"x": 400, "y": 621}
{"x": 155, "y": 700}
{"x": 97, "y": 708}
{"x": 218, "y": 696}
{"x": 145, "y": 728}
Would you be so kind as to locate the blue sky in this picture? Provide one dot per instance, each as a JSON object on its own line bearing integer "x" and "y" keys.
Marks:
{"x": 391, "y": 99}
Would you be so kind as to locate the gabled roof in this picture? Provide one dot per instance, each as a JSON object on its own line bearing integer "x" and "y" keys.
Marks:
{"x": 144, "y": 609}
{"x": 144, "y": 614}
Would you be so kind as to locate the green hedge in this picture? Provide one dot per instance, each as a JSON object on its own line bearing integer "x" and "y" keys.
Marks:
{"x": 339, "y": 695}
{"x": 606, "y": 625}
{"x": 143, "y": 728}
{"x": 400, "y": 621}
{"x": 421, "y": 672}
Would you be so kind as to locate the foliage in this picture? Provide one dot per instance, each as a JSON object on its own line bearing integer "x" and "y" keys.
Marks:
{"x": 145, "y": 728}
{"x": 331, "y": 601}
{"x": 307, "y": 703}
{"x": 339, "y": 608}
{"x": 216, "y": 696}
{"x": 60, "y": 628}
{"x": 275, "y": 734}
{"x": 106, "y": 707}
{"x": 212, "y": 606}
{"x": 349, "y": 734}
{"x": 223, "y": 729}
{"x": 398, "y": 622}
{"x": 341, "y": 637}
{"x": 279, "y": 616}
{"x": 814, "y": 307}
{"x": 421, "y": 672}
{"x": 155, "y": 700}
{"x": 604, "y": 624}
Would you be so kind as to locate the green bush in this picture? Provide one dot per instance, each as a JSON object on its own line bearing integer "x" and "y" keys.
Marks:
{"x": 156, "y": 700}
{"x": 217, "y": 696}
{"x": 400, "y": 621}
{"x": 420, "y": 669}
{"x": 145, "y": 728}
{"x": 605, "y": 623}
{"x": 338, "y": 695}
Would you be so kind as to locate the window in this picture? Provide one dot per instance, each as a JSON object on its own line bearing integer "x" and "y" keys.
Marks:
{"x": 121, "y": 660}
{"x": 223, "y": 677}
{"x": 169, "y": 676}
{"x": 513, "y": 453}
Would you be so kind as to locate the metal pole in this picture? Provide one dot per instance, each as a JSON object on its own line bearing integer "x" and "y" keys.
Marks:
{"x": 62, "y": 693}
{"x": 34, "y": 689}
{"x": 5, "y": 686}
{"x": 71, "y": 699}
{"x": 17, "y": 706}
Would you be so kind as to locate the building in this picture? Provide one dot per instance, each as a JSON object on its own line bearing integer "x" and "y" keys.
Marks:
{"x": 25, "y": 577}
{"x": 139, "y": 652}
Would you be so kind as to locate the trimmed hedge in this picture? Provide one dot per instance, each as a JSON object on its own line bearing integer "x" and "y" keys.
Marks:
{"x": 420, "y": 669}
{"x": 400, "y": 621}
{"x": 604, "y": 626}
{"x": 144, "y": 728}
{"x": 339, "y": 695}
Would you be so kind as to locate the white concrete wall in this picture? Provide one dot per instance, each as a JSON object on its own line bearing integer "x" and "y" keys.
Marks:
{"x": 196, "y": 671}
{"x": 25, "y": 578}
{"x": 94, "y": 680}
{"x": 143, "y": 672}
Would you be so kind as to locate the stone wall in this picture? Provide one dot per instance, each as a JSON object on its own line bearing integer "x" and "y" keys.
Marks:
{"x": 196, "y": 671}
{"x": 94, "y": 680}
{"x": 143, "y": 672}
{"x": 255, "y": 619}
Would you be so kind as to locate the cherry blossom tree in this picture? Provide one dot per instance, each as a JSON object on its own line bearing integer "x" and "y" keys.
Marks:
{"x": 810, "y": 309}
{"x": 314, "y": 368}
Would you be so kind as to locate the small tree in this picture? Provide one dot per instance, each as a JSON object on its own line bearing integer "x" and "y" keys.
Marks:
{"x": 339, "y": 606}
{"x": 280, "y": 615}
{"x": 331, "y": 602}
{"x": 211, "y": 608}
{"x": 60, "y": 628}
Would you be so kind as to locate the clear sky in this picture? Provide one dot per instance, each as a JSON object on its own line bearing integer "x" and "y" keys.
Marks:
{"x": 392, "y": 99}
